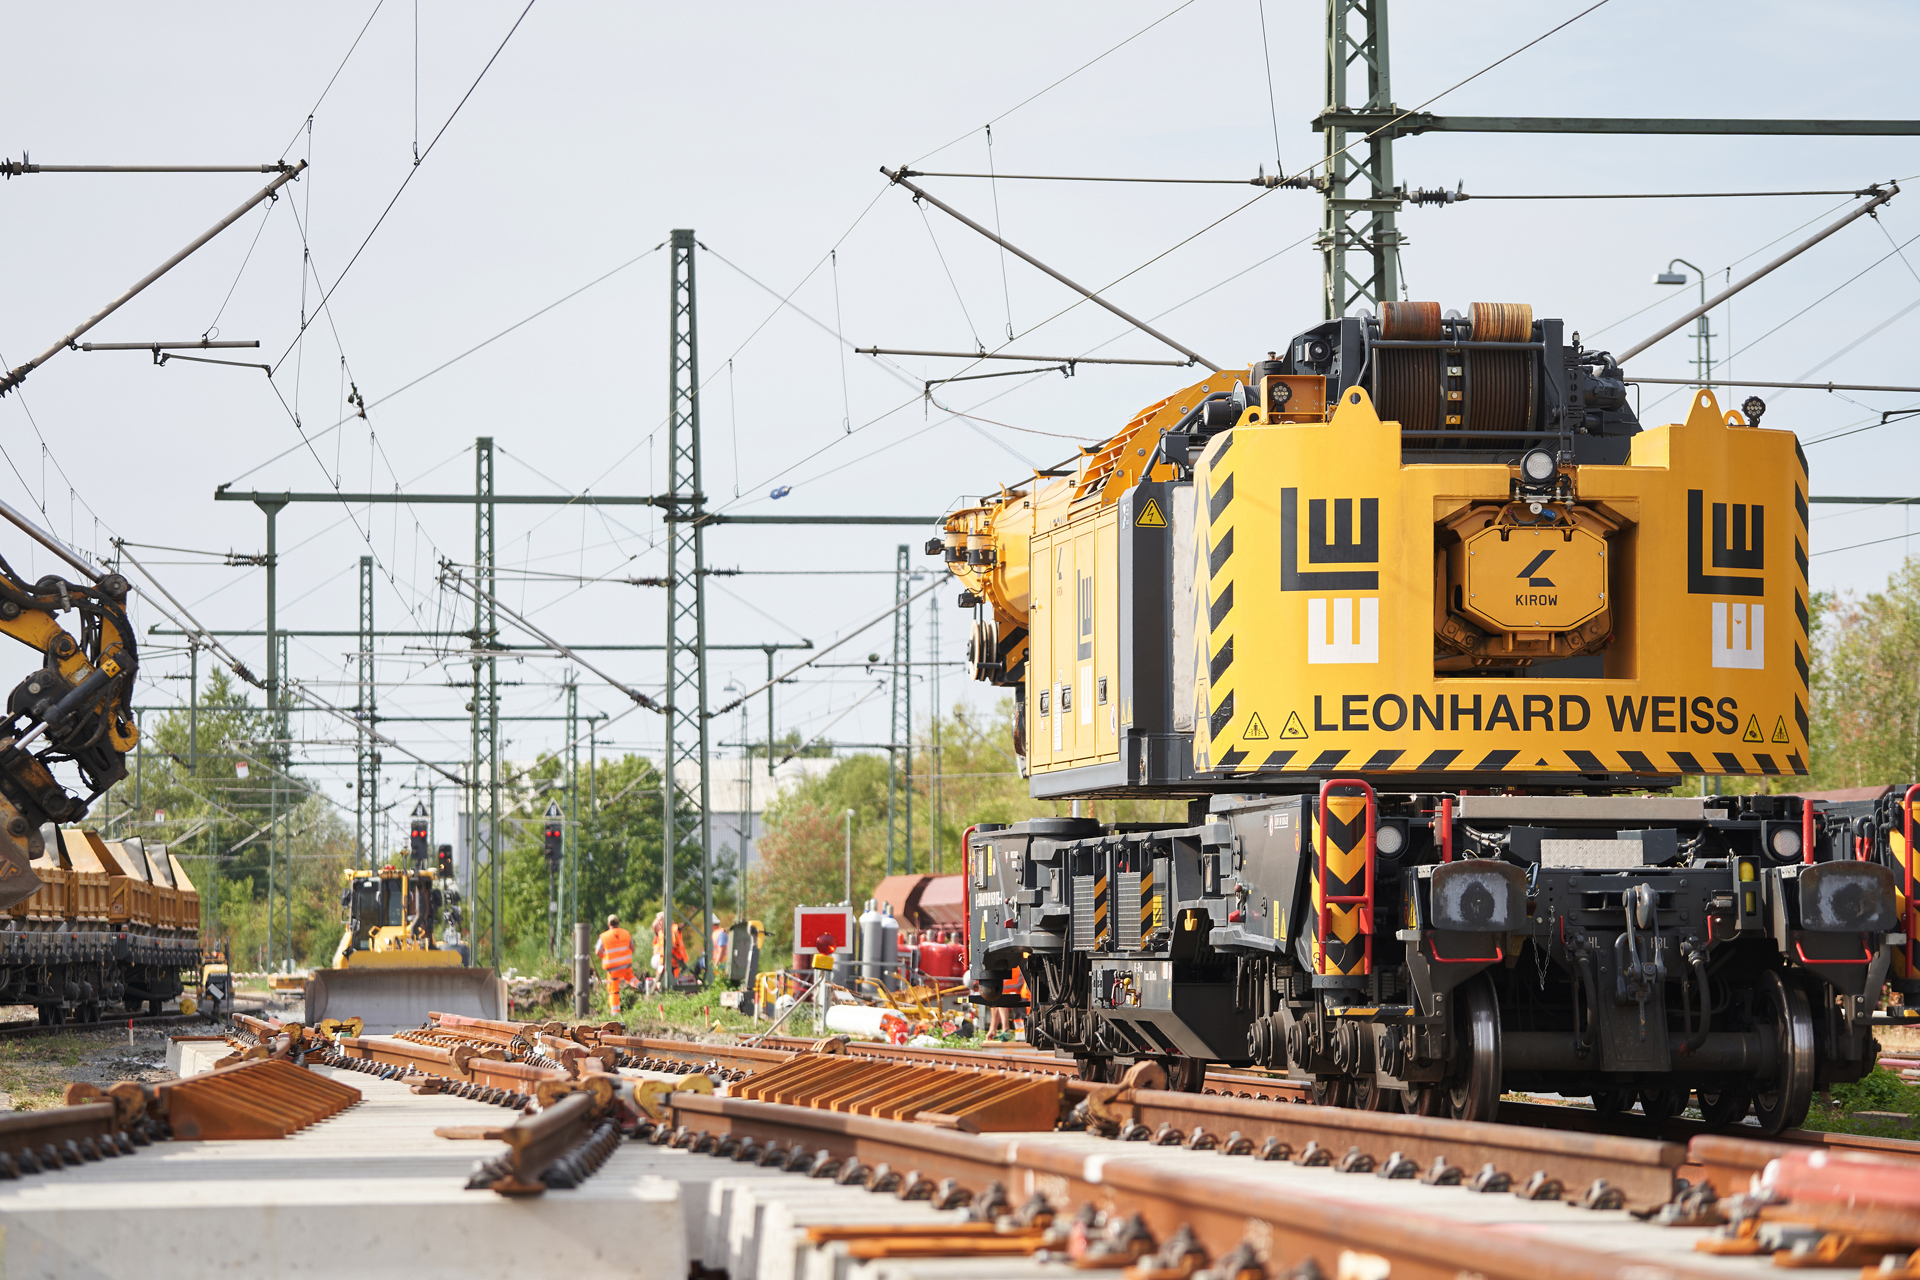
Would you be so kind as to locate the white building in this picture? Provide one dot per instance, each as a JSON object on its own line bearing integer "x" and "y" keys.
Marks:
{"x": 739, "y": 792}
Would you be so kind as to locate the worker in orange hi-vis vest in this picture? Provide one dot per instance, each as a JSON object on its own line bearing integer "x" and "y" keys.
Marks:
{"x": 615, "y": 950}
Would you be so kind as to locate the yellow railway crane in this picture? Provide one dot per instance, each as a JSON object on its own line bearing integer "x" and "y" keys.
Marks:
{"x": 1422, "y": 621}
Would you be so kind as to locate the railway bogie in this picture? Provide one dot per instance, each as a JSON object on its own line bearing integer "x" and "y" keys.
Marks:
{"x": 1432, "y": 952}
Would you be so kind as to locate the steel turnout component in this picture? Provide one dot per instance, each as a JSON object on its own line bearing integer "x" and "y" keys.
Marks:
{"x": 933, "y": 1095}
{"x": 264, "y": 1098}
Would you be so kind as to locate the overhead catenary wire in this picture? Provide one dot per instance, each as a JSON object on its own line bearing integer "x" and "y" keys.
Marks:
{"x": 14, "y": 377}
{"x": 1458, "y": 197}
{"x": 866, "y": 626}
{"x": 1089, "y": 294}
{"x": 213, "y": 644}
{"x": 404, "y": 182}
{"x": 447, "y": 364}
{"x": 474, "y": 591}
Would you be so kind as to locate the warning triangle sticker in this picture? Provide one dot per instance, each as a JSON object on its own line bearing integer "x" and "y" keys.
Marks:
{"x": 1539, "y": 763}
{"x": 1292, "y": 728}
{"x": 1150, "y": 517}
{"x": 1256, "y": 728}
{"x": 1780, "y": 730}
{"x": 1753, "y": 730}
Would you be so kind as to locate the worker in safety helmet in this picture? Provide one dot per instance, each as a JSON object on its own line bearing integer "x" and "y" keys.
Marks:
{"x": 615, "y": 950}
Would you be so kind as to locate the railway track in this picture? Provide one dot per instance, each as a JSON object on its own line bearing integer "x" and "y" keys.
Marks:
{"x": 28, "y": 1030}
{"x": 874, "y": 1163}
{"x": 1633, "y": 1155}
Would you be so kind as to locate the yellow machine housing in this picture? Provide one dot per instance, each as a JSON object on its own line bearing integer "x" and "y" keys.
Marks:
{"x": 391, "y": 915}
{"x": 1317, "y": 592}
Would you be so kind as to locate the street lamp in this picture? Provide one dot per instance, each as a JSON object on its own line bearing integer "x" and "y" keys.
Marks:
{"x": 849, "y": 859}
{"x": 1702, "y": 339}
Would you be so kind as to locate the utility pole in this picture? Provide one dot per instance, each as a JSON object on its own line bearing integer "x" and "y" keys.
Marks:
{"x": 570, "y": 893}
{"x": 280, "y": 820}
{"x": 900, "y": 758}
{"x": 483, "y": 808}
{"x": 367, "y": 771}
{"x": 933, "y": 756}
{"x": 686, "y": 727}
{"x": 270, "y": 506}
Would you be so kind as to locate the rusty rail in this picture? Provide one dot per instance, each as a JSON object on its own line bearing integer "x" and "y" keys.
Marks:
{"x": 1219, "y": 1212}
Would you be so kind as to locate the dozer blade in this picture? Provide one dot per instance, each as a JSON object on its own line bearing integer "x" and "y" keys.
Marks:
{"x": 394, "y": 999}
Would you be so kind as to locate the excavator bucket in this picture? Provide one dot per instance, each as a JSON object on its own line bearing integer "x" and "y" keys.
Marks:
{"x": 17, "y": 881}
{"x": 390, "y": 999}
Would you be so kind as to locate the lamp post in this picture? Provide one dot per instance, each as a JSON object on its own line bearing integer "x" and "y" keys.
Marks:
{"x": 849, "y": 859}
{"x": 1702, "y": 339}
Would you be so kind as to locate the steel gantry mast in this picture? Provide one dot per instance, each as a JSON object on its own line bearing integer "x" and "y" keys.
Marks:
{"x": 483, "y": 807}
{"x": 367, "y": 769}
{"x": 1363, "y": 222}
{"x": 686, "y": 736}
{"x": 900, "y": 757}
{"x": 1361, "y": 225}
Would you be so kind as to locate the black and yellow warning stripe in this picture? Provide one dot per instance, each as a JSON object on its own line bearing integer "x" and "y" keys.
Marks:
{"x": 1768, "y": 764}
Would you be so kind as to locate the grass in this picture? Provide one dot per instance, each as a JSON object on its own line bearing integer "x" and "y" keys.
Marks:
{"x": 1837, "y": 1109}
{"x": 34, "y": 1070}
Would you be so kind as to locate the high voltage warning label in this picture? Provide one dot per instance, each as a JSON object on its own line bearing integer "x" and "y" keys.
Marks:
{"x": 1292, "y": 728}
{"x": 1256, "y": 728}
{"x": 1150, "y": 518}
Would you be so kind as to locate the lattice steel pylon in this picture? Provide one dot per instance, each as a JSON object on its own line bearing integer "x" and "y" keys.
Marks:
{"x": 366, "y": 818}
{"x": 1365, "y": 226}
{"x": 686, "y": 737}
{"x": 483, "y": 806}
{"x": 900, "y": 757}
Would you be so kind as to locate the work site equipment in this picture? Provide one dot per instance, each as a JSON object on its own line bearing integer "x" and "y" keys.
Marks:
{"x": 84, "y": 924}
{"x": 1415, "y": 605}
{"x": 389, "y": 970}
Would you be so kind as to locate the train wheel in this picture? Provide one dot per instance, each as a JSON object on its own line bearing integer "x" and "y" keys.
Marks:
{"x": 1096, "y": 1070}
{"x": 1724, "y": 1107}
{"x": 1185, "y": 1075}
{"x": 1368, "y": 1095}
{"x": 1663, "y": 1103}
{"x": 1474, "y": 1093}
{"x": 1611, "y": 1102}
{"x": 1332, "y": 1091}
{"x": 1426, "y": 1100}
{"x": 1782, "y": 1102}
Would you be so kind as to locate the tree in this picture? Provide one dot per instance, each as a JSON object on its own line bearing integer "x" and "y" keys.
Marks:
{"x": 619, "y": 844}
{"x": 187, "y": 792}
{"x": 802, "y": 855}
{"x": 1866, "y": 685}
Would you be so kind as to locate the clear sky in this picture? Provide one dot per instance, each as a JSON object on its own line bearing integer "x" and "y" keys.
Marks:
{"x": 600, "y": 128}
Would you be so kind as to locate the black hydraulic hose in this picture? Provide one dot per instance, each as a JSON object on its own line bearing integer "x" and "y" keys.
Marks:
{"x": 1699, "y": 964}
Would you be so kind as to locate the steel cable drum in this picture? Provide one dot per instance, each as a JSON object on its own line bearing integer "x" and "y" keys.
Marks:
{"x": 1407, "y": 384}
{"x": 1500, "y": 392}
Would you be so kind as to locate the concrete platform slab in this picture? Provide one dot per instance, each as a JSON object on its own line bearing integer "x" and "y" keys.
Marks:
{"x": 371, "y": 1192}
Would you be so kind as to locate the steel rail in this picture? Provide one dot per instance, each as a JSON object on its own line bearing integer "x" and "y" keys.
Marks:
{"x": 1221, "y": 1210}
{"x": 23, "y": 1030}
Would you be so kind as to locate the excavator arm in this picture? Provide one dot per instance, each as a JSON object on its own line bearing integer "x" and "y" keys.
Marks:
{"x": 76, "y": 708}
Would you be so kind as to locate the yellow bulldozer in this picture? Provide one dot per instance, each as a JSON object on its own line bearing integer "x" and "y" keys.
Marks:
{"x": 389, "y": 969}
